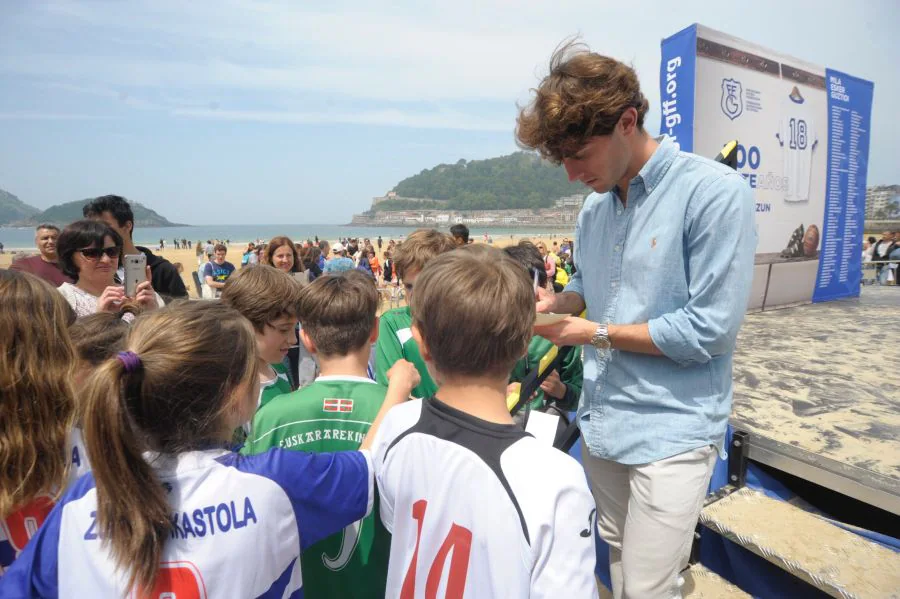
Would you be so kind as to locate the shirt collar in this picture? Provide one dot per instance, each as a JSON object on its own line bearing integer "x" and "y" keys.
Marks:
{"x": 346, "y": 378}
{"x": 655, "y": 169}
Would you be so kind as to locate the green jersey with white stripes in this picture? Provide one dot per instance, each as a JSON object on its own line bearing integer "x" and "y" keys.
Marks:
{"x": 333, "y": 413}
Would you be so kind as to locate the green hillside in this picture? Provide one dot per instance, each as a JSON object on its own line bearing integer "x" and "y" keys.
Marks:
{"x": 519, "y": 180}
{"x": 63, "y": 214}
{"x": 14, "y": 210}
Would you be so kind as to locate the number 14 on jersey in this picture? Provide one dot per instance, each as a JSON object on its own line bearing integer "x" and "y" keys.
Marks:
{"x": 457, "y": 544}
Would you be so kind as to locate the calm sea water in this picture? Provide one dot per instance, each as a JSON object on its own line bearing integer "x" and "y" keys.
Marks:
{"x": 15, "y": 238}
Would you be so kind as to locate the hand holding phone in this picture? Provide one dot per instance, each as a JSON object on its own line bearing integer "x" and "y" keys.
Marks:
{"x": 135, "y": 273}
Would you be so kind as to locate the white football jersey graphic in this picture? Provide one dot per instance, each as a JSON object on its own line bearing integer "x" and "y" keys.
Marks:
{"x": 798, "y": 138}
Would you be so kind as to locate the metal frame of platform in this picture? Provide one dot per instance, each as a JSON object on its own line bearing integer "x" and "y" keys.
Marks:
{"x": 855, "y": 482}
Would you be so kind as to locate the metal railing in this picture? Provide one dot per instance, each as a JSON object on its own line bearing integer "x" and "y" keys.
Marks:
{"x": 873, "y": 273}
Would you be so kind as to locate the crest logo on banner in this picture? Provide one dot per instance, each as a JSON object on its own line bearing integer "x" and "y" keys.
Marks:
{"x": 732, "y": 98}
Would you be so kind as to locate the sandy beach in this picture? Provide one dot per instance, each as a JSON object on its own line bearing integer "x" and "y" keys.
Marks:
{"x": 188, "y": 258}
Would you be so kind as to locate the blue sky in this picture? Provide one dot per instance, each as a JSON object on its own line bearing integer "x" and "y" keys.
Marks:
{"x": 240, "y": 111}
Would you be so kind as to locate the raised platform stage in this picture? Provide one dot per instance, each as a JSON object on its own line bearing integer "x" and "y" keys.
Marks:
{"x": 818, "y": 389}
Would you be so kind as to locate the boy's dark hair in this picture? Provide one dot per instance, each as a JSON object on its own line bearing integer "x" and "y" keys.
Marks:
{"x": 527, "y": 254}
{"x": 220, "y": 247}
{"x": 461, "y": 232}
{"x": 79, "y": 235}
{"x": 115, "y": 205}
{"x": 262, "y": 294}
{"x": 489, "y": 322}
{"x": 338, "y": 312}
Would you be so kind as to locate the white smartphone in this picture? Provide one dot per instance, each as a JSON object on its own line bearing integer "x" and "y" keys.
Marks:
{"x": 135, "y": 272}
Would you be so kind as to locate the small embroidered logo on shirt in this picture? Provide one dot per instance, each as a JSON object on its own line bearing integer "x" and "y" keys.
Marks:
{"x": 653, "y": 242}
{"x": 337, "y": 405}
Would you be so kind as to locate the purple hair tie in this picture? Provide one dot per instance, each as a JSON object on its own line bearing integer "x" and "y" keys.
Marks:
{"x": 130, "y": 359}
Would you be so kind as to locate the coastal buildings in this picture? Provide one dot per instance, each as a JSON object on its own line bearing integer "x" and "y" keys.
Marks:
{"x": 883, "y": 202}
{"x": 563, "y": 213}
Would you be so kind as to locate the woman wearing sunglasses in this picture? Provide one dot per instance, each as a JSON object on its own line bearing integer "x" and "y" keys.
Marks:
{"x": 90, "y": 252}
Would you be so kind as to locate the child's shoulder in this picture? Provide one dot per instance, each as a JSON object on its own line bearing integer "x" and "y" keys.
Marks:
{"x": 399, "y": 315}
{"x": 536, "y": 460}
{"x": 347, "y": 384}
{"x": 398, "y": 420}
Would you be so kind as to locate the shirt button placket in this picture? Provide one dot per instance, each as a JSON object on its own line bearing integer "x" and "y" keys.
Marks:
{"x": 596, "y": 442}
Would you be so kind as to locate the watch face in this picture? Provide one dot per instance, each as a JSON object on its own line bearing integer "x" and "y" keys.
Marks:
{"x": 600, "y": 341}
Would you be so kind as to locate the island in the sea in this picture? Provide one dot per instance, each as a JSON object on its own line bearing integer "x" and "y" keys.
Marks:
{"x": 16, "y": 213}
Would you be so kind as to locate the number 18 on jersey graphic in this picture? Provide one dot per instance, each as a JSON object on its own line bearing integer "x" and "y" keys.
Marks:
{"x": 797, "y": 137}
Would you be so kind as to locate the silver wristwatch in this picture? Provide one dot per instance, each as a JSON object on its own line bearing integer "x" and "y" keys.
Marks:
{"x": 600, "y": 339}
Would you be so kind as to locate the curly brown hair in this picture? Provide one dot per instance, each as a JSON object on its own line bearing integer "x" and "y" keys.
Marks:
{"x": 583, "y": 96}
{"x": 37, "y": 400}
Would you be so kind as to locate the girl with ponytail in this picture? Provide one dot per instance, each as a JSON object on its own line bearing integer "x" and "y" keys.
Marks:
{"x": 96, "y": 338}
{"x": 37, "y": 405}
{"x": 168, "y": 508}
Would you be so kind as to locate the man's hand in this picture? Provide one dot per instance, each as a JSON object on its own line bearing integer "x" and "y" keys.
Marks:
{"x": 571, "y": 331}
{"x": 566, "y": 302}
{"x": 553, "y": 386}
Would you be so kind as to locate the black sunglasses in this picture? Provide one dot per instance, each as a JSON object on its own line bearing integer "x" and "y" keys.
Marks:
{"x": 96, "y": 253}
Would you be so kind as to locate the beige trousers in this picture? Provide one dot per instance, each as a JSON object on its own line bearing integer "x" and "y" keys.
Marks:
{"x": 647, "y": 515}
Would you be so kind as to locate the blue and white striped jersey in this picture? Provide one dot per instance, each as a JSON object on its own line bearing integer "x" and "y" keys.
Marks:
{"x": 238, "y": 526}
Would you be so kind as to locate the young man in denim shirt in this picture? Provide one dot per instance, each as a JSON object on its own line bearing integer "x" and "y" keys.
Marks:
{"x": 664, "y": 258}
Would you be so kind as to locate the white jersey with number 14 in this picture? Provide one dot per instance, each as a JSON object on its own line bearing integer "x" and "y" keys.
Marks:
{"x": 479, "y": 509}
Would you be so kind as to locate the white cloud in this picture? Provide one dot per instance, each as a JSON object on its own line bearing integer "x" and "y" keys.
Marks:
{"x": 388, "y": 117}
{"x": 52, "y": 116}
{"x": 291, "y": 48}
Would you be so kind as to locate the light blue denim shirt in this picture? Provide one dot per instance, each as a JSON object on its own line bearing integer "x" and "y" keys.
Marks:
{"x": 679, "y": 256}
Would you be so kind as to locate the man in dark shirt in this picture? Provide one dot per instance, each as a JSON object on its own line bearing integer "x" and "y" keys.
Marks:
{"x": 116, "y": 212}
{"x": 45, "y": 264}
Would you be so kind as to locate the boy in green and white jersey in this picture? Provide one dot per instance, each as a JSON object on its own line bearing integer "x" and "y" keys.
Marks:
{"x": 269, "y": 298}
{"x": 395, "y": 340}
{"x": 334, "y": 413}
